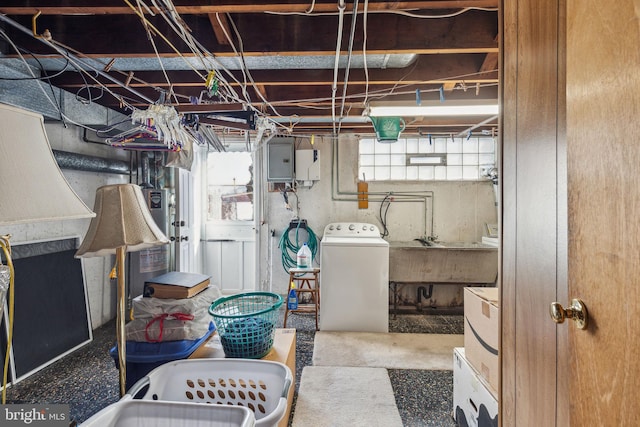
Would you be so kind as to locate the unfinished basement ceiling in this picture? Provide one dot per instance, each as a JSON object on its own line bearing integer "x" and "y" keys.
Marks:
{"x": 277, "y": 58}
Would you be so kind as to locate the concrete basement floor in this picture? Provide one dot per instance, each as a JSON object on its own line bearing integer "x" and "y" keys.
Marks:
{"x": 87, "y": 379}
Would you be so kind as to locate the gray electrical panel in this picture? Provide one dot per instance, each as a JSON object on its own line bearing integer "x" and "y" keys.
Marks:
{"x": 280, "y": 156}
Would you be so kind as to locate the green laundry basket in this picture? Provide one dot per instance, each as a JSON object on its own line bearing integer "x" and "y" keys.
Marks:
{"x": 246, "y": 323}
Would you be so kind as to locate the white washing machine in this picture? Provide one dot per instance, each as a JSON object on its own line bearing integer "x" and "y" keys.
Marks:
{"x": 354, "y": 278}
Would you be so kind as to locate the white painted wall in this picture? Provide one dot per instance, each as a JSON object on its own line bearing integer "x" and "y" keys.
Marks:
{"x": 101, "y": 291}
{"x": 460, "y": 211}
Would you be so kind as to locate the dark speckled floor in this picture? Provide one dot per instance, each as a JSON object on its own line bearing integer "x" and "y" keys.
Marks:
{"x": 87, "y": 380}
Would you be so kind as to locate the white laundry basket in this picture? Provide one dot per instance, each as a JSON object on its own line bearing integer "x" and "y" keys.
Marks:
{"x": 260, "y": 385}
{"x": 128, "y": 412}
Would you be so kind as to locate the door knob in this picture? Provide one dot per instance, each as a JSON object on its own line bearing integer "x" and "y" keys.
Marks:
{"x": 576, "y": 312}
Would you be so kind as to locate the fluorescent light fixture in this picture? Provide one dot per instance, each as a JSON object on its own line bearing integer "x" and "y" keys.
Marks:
{"x": 439, "y": 109}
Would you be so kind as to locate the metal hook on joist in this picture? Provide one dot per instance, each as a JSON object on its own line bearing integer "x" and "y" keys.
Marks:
{"x": 46, "y": 35}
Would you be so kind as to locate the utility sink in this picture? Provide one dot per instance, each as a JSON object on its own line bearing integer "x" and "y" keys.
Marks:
{"x": 442, "y": 262}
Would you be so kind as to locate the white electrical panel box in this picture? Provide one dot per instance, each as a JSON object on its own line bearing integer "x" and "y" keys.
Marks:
{"x": 307, "y": 165}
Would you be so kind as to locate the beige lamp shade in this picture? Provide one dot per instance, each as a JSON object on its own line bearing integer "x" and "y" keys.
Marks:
{"x": 122, "y": 220}
{"x": 33, "y": 187}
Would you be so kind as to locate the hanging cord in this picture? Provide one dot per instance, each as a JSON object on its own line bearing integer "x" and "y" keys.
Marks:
{"x": 290, "y": 249}
{"x": 383, "y": 217}
{"x": 364, "y": 51}
{"x": 6, "y": 248}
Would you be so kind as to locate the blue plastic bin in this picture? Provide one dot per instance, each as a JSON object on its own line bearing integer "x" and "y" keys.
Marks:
{"x": 143, "y": 357}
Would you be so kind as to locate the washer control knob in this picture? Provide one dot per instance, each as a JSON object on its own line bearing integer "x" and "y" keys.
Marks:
{"x": 364, "y": 227}
{"x": 371, "y": 228}
{"x": 339, "y": 227}
{"x": 352, "y": 227}
{"x": 331, "y": 227}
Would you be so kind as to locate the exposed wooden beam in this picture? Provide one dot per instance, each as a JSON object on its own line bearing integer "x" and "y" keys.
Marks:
{"x": 80, "y": 7}
{"x": 220, "y": 25}
{"x": 449, "y": 85}
{"x": 490, "y": 62}
{"x": 261, "y": 87}
{"x": 436, "y": 51}
{"x": 261, "y": 90}
{"x": 265, "y": 35}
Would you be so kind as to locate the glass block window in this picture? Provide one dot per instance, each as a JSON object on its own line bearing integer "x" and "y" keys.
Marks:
{"x": 427, "y": 159}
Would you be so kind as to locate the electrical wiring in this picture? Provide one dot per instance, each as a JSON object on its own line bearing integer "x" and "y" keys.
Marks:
{"x": 334, "y": 87}
{"x": 177, "y": 25}
{"x": 225, "y": 91}
{"x": 91, "y": 97}
{"x": 313, "y": 4}
{"x": 39, "y": 81}
{"x": 383, "y": 217}
{"x": 35, "y": 57}
{"x": 162, "y": 36}
{"x": 348, "y": 67}
{"x": 365, "y": 16}
{"x": 389, "y": 11}
{"x": 243, "y": 65}
{"x": 245, "y": 69}
{"x": 381, "y": 94}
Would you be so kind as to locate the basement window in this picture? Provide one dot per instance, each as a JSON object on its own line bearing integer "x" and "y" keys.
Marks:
{"x": 427, "y": 159}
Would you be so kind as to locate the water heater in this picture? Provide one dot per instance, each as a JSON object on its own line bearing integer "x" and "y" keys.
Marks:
{"x": 155, "y": 261}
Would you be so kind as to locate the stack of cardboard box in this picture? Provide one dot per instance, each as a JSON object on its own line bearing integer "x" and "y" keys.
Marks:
{"x": 475, "y": 367}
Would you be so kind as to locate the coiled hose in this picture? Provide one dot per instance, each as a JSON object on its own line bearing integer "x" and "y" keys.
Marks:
{"x": 289, "y": 249}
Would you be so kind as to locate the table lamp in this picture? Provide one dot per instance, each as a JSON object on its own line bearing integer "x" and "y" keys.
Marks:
{"x": 123, "y": 223}
{"x": 33, "y": 190}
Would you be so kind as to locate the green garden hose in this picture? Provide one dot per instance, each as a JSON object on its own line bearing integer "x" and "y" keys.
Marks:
{"x": 290, "y": 248}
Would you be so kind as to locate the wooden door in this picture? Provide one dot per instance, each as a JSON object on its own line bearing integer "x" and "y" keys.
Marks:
{"x": 603, "y": 151}
{"x": 533, "y": 213}
{"x": 570, "y": 211}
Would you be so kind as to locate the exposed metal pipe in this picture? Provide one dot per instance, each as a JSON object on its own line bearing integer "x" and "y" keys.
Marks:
{"x": 144, "y": 167}
{"x": 482, "y": 123}
{"x": 334, "y": 87}
{"x": 348, "y": 67}
{"x": 402, "y": 196}
{"x": 81, "y": 162}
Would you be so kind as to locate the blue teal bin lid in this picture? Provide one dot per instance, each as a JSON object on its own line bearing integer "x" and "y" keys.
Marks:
{"x": 146, "y": 352}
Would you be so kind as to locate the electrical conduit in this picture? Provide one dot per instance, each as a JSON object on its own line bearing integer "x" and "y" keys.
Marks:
{"x": 334, "y": 87}
{"x": 402, "y": 196}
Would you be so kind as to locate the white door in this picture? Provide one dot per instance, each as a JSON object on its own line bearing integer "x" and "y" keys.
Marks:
{"x": 183, "y": 224}
{"x": 229, "y": 247}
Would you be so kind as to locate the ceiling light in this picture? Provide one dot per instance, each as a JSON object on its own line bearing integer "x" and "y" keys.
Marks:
{"x": 449, "y": 108}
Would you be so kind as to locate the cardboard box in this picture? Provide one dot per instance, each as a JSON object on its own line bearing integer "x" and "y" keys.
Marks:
{"x": 283, "y": 351}
{"x": 481, "y": 332}
{"x": 473, "y": 403}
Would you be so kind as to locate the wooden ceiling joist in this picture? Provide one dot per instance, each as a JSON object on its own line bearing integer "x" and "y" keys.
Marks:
{"x": 80, "y": 7}
{"x": 220, "y": 25}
